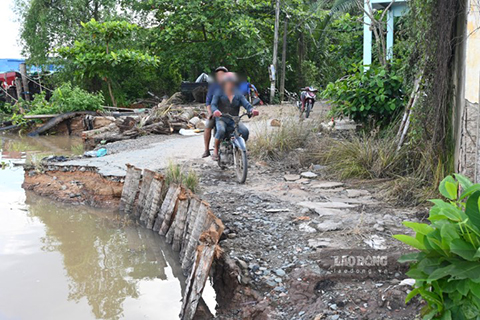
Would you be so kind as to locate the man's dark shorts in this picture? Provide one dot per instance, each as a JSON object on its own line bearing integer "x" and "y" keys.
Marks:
{"x": 210, "y": 124}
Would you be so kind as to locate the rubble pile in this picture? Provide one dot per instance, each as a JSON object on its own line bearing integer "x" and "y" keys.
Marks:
{"x": 169, "y": 116}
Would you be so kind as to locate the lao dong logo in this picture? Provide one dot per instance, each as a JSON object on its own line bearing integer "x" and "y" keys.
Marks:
{"x": 360, "y": 261}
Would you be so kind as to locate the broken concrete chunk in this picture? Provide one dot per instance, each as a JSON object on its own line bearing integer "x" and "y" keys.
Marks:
{"x": 327, "y": 185}
{"x": 303, "y": 181}
{"x": 329, "y": 226}
{"x": 291, "y": 177}
{"x": 277, "y": 210}
{"x": 309, "y": 175}
{"x": 354, "y": 193}
{"x": 306, "y": 228}
{"x": 376, "y": 242}
{"x": 320, "y": 243}
{"x": 318, "y": 206}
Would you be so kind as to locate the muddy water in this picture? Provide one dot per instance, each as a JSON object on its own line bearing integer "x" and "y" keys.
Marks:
{"x": 64, "y": 262}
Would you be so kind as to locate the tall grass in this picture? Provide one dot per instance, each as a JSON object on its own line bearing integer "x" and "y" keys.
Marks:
{"x": 178, "y": 175}
{"x": 273, "y": 143}
{"x": 411, "y": 174}
{"x": 363, "y": 156}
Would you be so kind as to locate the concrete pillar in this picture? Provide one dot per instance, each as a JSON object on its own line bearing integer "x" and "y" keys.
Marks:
{"x": 367, "y": 37}
{"x": 390, "y": 33}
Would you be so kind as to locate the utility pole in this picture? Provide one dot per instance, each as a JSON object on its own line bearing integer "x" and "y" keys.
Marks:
{"x": 284, "y": 59}
{"x": 23, "y": 72}
{"x": 273, "y": 67}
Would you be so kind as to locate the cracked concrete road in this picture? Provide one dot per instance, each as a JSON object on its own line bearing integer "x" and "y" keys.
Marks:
{"x": 154, "y": 156}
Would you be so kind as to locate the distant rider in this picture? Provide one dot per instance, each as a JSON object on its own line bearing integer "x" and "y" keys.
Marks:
{"x": 212, "y": 88}
{"x": 228, "y": 101}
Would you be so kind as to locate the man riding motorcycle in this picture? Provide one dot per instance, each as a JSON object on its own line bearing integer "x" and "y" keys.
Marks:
{"x": 228, "y": 100}
{"x": 212, "y": 88}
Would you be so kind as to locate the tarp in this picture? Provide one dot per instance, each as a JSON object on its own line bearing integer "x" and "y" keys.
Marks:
{"x": 7, "y": 65}
{"x": 10, "y": 79}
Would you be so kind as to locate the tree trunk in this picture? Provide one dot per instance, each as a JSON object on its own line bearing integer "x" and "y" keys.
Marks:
{"x": 284, "y": 60}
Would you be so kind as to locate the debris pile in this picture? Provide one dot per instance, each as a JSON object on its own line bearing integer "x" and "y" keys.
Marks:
{"x": 167, "y": 117}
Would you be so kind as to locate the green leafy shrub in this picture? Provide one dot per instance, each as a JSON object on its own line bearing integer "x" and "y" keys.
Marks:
{"x": 367, "y": 95}
{"x": 447, "y": 268}
{"x": 67, "y": 98}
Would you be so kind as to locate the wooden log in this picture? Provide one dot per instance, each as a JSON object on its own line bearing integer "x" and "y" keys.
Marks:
{"x": 23, "y": 73}
{"x": 180, "y": 213}
{"x": 154, "y": 200}
{"x": 196, "y": 281}
{"x": 197, "y": 229}
{"x": 186, "y": 115}
{"x": 56, "y": 121}
{"x": 169, "y": 216}
{"x": 195, "y": 203}
{"x": 142, "y": 196}
{"x": 41, "y": 116}
{"x": 168, "y": 206}
{"x": 179, "y": 226}
{"x": 130, "y": 189}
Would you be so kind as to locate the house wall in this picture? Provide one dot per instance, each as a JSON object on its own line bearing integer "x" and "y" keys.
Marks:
{"x": 467, "y": 110}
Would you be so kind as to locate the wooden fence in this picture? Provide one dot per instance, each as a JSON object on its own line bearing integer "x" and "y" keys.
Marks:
{"x": 184, "y": 219}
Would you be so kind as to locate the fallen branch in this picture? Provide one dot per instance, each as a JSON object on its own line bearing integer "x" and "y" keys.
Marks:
{"x": 57, "y": 120}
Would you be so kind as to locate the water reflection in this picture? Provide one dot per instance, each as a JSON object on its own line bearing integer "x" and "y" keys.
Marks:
{"x": 109, "y": 263}
{"x": 66, "y": 262}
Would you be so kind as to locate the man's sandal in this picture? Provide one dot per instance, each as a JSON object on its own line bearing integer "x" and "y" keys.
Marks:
{"x": 206, "y": 154}
{"x": 214, "y": 157}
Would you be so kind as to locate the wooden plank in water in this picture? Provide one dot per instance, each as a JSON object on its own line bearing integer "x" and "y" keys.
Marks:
{"x": 180, "y": 214}
{"x": 204, "y": 255}
{"x": 130, "y": 189}
{"x": 195, "y": 203}
{"x": 142, "y": 196}
{"x": 154, "y": 200}
{"x": 168, "y": 205}
{"x": 169, "y": 216}
{"x": 179, "y": 227}
{"x": 197, "y": 229}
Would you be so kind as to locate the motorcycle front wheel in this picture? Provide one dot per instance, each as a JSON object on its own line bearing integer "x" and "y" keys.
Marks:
{"x": 241, "y": 165}
{"x": 308, "y": 108}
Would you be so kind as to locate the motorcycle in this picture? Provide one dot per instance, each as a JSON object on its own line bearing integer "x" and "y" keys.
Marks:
{"x": 233, "y": 150}
{"x": 308, "y": 96}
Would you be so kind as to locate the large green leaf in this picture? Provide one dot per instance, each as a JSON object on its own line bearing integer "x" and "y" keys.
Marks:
{"x": 421, "y": 228}
{"x": 464, "y": 181}
{"x": 448, "y": 188}
{"x": 466, "y": 270}
{"x": 411, "y": 241}
{"x": 441, "y": 272}
{"x": 472, "y": 210}
{"x": 411, "y": 257}
{"x": 464, "y": 249}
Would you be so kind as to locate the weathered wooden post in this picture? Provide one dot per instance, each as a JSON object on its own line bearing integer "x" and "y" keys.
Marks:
{"x": 23, "y": 72}
{"x": 18, "y": 87}
{"x": 130, "y": 189}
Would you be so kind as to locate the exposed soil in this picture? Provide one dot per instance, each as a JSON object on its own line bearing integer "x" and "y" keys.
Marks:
{"x": 77, "y": 185}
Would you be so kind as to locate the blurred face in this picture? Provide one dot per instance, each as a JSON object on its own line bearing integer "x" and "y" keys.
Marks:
{"x": 229, "y": 86}
{"x": 219, "y": 76}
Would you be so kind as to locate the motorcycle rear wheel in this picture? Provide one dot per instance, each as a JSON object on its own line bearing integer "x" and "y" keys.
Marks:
{"x": 241, "y": 165}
